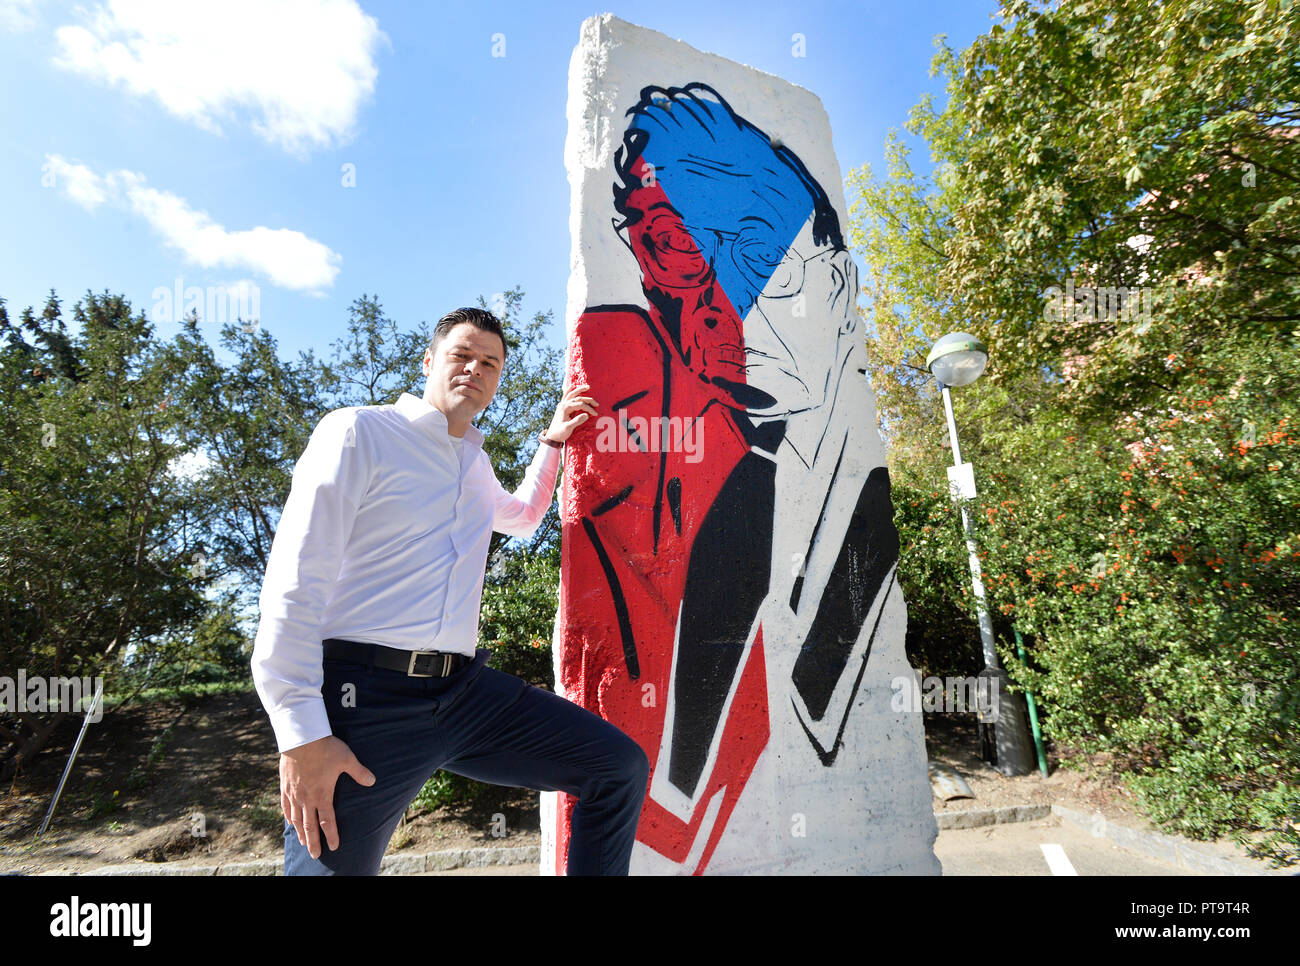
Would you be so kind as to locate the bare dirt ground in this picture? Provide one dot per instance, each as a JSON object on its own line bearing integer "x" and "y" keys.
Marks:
{"x": 953, "y": 740}
{"x": 146, "y": 772}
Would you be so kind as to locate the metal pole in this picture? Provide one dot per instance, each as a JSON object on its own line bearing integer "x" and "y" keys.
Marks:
{"x": 71, "y": 758}
{"x": 952, "y": 424}
{"x": 1011, "y": 736}
{"x": 1033, "y": 710}
{"x": 972, "y": 549}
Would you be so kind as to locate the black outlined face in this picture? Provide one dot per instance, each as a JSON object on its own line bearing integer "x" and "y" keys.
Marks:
{"x": 793, "y": 332}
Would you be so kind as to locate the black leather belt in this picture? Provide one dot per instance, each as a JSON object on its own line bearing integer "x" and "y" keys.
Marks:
{"x": 415, "y": 664}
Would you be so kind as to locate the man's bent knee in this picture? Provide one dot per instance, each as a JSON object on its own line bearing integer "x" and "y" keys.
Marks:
{"x": 633, "y": 765}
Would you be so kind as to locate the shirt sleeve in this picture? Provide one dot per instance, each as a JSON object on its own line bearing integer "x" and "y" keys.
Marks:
{"x": 329, "y": 481}
{"x": 520, "y": 514}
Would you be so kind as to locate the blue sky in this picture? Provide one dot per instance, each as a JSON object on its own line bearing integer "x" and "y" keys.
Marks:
{"x": 154, "y": 143}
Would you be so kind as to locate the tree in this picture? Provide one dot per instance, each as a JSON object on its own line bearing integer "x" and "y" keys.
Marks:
{"x": 246, "y": 425}
{"x": 902, "y": 226}
{"x": 93, "y": 560}
{"x": 375, "y": 362}
{"x": 1139, "y": 514}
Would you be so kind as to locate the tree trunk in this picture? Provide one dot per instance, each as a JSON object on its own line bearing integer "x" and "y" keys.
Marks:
{"x": 33, "y": 745}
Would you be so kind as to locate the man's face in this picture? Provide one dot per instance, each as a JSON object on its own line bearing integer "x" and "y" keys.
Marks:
{"x": 463, "y": 371}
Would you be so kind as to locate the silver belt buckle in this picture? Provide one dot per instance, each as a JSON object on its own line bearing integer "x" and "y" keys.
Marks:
{"x": 410, "y": 668}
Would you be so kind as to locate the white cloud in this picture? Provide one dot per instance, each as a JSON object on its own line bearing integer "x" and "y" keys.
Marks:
{"x": 79, "y": 183}
{"x": 17, "y": 15}
{"x": 297, "y": 71}
{"x": 288, "y": 258}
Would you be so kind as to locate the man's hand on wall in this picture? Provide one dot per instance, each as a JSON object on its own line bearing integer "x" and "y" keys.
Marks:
{"x": 572, "y": 412}
{"x": 308, "y": 774}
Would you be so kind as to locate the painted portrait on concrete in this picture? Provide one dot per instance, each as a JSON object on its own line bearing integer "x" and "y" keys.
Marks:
{"x": 730, "y": 553}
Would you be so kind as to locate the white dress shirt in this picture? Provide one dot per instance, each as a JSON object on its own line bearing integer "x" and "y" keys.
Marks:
{"x": 384, "y": 539}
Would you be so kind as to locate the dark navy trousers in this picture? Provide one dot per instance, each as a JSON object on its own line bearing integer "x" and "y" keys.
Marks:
{"x": 485, "y": 725}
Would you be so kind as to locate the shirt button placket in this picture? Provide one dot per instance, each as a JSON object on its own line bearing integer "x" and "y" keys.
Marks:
{"x": 455, "y": 543}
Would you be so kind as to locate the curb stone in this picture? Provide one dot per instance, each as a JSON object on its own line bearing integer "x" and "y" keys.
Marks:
{"x": 390, "y": 865}
{"x": 976, "y": 817}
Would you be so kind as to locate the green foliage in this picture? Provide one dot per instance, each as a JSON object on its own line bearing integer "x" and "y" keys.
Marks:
{"x": 517, "y": 617}
{"x": 446, "y": 789}
{"x": 375, "y": 362}
{"x": 190, "y": 694}
{"x": 219, "y": 643}
{"x": 1159, "y": 573}
{"x": 104, "y": 805}
{"x": 934, "y": 576}
{"x": 215, "y": 650}
{"x": 246, "y": 424}
{"x": 95, "y": 558}
{"x": 1139, "y": 515}
{"x": 1133, "y": 143}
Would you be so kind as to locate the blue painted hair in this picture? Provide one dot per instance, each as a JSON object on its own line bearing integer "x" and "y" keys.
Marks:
{"x": 724, "y": 177}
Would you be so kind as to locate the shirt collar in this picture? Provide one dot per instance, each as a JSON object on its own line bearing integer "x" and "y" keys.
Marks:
{"x": 423, "y": 414}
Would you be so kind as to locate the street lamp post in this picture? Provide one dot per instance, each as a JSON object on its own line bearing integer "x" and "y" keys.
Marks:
{"x": 958, "y": 359}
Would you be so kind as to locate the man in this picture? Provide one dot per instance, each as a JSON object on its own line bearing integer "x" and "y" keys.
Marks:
{"x": 365, "y": 657}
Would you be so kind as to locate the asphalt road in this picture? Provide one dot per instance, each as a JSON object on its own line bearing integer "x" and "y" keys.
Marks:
{"x": 1018, "y": 849}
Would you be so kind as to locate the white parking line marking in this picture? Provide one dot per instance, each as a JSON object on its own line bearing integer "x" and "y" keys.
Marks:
{"x": 1056, "y": 859}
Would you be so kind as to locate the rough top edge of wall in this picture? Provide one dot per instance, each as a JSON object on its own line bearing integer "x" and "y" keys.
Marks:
{"x": 586, "y": 144}
{"x": 613, "y": 26}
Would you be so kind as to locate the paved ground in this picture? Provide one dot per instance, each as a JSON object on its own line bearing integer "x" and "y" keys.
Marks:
{"x": 1009, "y": 849}
{"x": 1017, "y": 849}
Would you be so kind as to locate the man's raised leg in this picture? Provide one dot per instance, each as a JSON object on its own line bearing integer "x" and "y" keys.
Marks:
{"x": 506, "y": 732}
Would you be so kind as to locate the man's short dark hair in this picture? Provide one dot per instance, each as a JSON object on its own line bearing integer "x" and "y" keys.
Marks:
{"x": 481, "y": 318}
